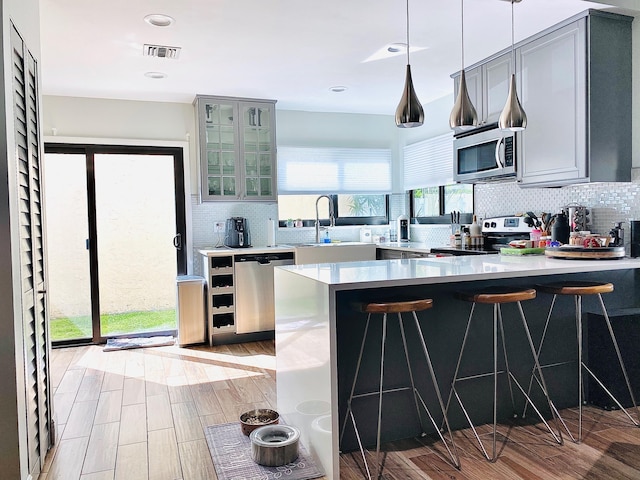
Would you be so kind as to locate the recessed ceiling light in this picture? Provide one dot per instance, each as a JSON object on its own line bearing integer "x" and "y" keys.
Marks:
{"x": 338, "y": 89}
{"x": 155, "y": 75}
{"x": 397, "y": 47}
{"x": 159, "y": 20}
{"x": 391, "y": 50}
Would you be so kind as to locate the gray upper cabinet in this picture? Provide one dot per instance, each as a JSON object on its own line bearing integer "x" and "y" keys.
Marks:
{"x": 575, "y": 86}
{"x": 237, "y": 146}
{"x": 488, "y": 86}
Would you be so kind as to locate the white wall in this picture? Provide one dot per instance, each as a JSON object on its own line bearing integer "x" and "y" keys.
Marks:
{"x": 96, "y": 118}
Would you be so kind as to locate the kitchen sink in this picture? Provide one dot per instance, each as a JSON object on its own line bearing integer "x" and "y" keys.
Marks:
{"x": 338, "y": 252}
{"x": 333, "y": 244}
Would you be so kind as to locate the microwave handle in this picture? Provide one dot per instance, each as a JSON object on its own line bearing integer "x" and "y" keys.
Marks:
{"x": 498, "y": 156}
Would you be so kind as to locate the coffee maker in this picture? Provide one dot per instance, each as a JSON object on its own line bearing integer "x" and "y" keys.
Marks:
{"x": 237, "y": 233}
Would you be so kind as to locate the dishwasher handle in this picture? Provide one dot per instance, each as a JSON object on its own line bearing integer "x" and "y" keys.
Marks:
{"x": 263, "y": 259}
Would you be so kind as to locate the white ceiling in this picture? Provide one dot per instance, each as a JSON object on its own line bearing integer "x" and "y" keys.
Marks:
{"x": 288, "y": 50}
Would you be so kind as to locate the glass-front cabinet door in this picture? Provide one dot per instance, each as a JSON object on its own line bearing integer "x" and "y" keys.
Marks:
{"x": 220, "y": 150}
{"x": 258, "y": 151}
{"x": 237, "y": 148}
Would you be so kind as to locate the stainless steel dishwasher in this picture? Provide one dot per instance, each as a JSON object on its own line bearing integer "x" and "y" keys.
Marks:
{"x": 255, "y": 311}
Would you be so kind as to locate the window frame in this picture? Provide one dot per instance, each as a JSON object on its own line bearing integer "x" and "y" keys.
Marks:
{"x": 348, "y": 221}
{"x": 443, "y": 217}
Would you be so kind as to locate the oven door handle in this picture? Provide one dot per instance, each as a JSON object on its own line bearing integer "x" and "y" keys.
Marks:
{"x": 498, "y": 152}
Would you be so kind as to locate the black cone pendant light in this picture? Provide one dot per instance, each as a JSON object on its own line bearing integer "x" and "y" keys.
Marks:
{"x": 513, "y": 117}
{"x": 463, "y": 115}
{"x": 409, "y": 112}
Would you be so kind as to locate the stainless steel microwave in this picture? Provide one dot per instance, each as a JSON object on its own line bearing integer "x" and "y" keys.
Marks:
{"x": 485, "y": 154}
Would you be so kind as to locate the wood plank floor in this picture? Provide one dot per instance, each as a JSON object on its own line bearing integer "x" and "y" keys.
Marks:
{"x": 139, "y": 414}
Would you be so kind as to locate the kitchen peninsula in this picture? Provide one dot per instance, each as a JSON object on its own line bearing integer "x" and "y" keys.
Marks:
{"x": 318, "y": 335}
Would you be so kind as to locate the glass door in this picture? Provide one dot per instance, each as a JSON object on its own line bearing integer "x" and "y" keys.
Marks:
{"x": 116, "y": 231}
{"x": 65, "y": 200}
{"x": 135, "y": 224}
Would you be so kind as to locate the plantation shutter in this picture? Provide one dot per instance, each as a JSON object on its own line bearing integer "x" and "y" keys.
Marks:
{"x": 28, "y": 148}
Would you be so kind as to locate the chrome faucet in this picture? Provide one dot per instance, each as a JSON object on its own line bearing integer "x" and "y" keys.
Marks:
{"x": 332, "y": 217}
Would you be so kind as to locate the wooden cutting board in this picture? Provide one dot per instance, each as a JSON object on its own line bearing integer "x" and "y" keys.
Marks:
{"x": 581, "y": 253}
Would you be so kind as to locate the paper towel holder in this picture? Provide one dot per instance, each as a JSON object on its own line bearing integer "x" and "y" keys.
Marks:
{"x": 272, "y": 229}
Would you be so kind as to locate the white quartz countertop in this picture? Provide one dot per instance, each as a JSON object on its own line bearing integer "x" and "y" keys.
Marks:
{"x": 388, "y": 273}
{"x": 223, "y": 250}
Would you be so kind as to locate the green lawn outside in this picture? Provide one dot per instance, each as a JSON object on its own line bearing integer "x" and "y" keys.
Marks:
{"x": 67, "y": 328}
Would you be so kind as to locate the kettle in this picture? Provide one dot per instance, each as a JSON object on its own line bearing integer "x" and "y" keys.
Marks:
{"x": 560, "y": 228}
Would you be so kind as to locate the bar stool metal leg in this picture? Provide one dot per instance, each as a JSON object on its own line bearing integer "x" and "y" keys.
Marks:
{"x": 349, "y": 414}
{"x": 533, "y": 371}
{"x": 381, "y": 391}
{"x": 582, "y": 367}
{"x": 622, "y": 367}
{"x": 454, "y": 454}
{"x": 498, "y": 323}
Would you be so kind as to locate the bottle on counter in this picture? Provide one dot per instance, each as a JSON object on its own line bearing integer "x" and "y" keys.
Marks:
{"x": 544, "y": 241}
{"x": 475, "y": 233}
{"x": 535, "y": 235}
{"x": 457, "y": 239}
{"x": 326, "y": 237}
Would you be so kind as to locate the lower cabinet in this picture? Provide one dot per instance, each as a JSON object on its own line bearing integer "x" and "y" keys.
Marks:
{"x": 391, "y": 254}
{"x": 221, "y": 316}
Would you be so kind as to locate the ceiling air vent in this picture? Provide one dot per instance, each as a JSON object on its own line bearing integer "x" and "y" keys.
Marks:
{"x": 161, "y": 51}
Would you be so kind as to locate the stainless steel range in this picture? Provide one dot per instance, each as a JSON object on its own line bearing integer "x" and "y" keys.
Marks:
{"x": 497, "y": 233}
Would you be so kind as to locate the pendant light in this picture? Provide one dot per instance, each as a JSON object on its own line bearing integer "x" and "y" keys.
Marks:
{"x": 409, "y": 112}
{"x": 513, "y": 117}
{"x": 463, "y": 115}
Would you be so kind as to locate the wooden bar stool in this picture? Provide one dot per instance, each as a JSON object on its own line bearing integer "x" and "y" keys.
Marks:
{"x": 496, "y": 296}
{"x": 412, "y": 306}
{"x": 578, "y": 290}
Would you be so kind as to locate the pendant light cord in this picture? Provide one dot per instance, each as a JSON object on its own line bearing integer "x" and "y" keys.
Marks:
{"x": 408, "y": 33}
{"x": 462, "y": 30}
{"x": 513, "y": 51}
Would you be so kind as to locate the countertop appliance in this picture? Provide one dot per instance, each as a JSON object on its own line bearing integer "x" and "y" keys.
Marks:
{"x": 403, "y": 228}
{"x": 255, "y": 310}
{"x": 485, "y": 154}
{"x": 237, "y": 233}
{"x": 497, "y": 233}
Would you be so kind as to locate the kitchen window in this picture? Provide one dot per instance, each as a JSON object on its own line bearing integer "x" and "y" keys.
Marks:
{"x": 358, "y": 180}
{"x": 434, "y": 204}
{"x": 352, "y": 209}
{"x": 428, "y": 176}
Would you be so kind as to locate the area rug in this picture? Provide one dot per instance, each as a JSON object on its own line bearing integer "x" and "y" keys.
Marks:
{"x": 124, "y": 343}
{"x": 231, "y": 454}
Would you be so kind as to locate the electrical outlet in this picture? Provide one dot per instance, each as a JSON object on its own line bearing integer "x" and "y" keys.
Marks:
{"x": 218, "y": 227}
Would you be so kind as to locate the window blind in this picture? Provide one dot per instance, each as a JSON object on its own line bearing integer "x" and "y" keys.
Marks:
{"x": 304, "y": 170}
{"x": 429, "y": 163}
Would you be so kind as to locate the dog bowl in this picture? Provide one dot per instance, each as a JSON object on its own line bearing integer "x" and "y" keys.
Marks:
{"x": 253, "y": 419}
{"x": 274, "y": 445}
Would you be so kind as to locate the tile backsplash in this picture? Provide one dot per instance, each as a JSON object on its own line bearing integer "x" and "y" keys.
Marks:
{"x": 608, "y": 203}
